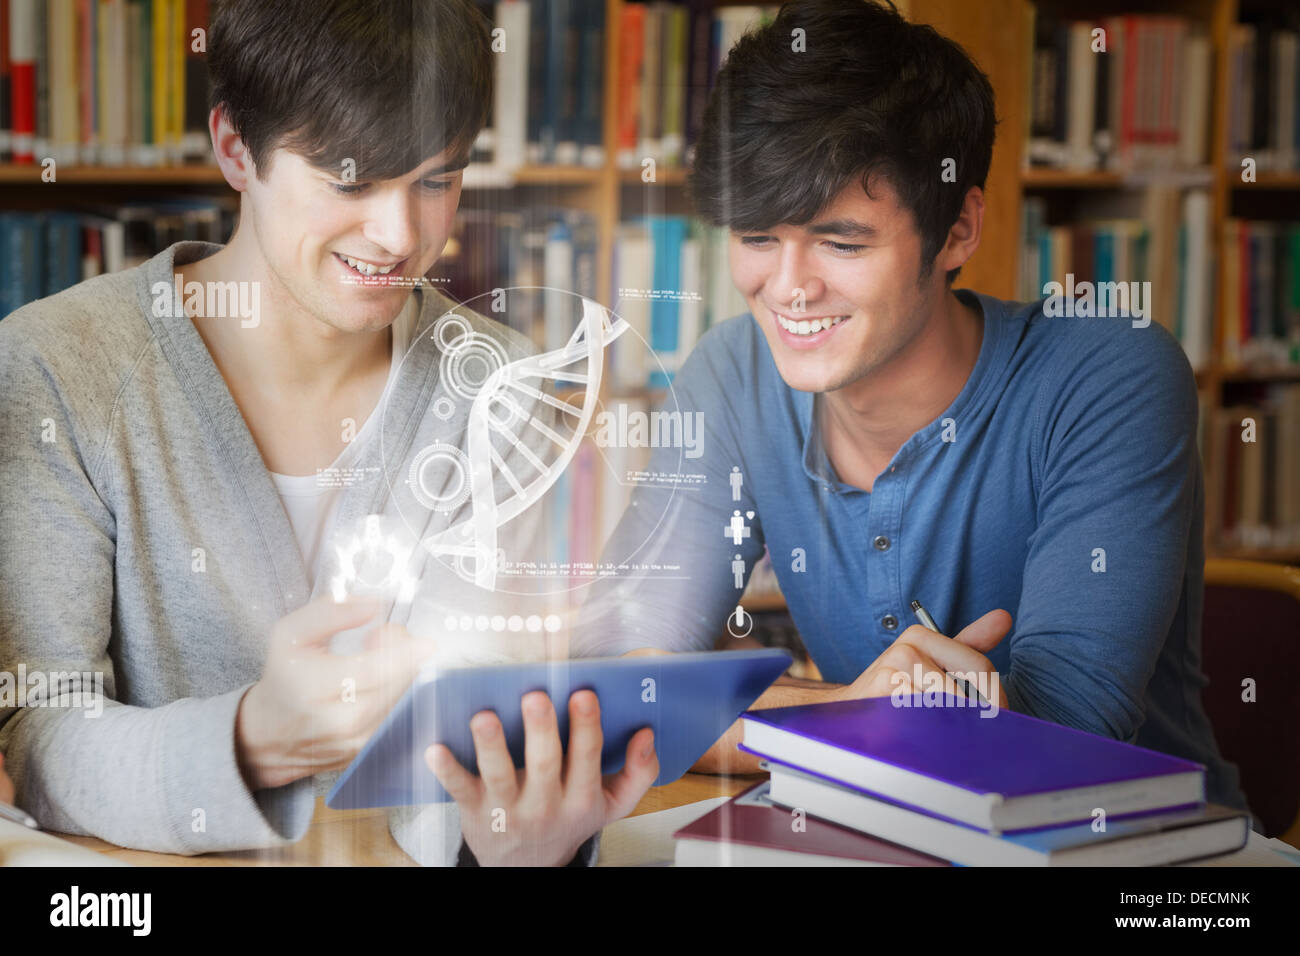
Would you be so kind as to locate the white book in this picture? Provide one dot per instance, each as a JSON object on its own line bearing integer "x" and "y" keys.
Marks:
{"x": 114, "y": 245}
{"x": 725, "y": 301}
{"x": 634, "y": 277}
{"x": 735, "y": 22}
{"x": 1284, "y": 81}
{"x": 692, "y": 305}
{"x": 62, "y": 60}
{"x": 112, "y": 60}
{"x": 510, "y": 98}
{"x": 559, "y": 320}
{"x": 1196, "y": 278}
{"x": 1194, "y": 120}
{"x": 1081, "y": 96}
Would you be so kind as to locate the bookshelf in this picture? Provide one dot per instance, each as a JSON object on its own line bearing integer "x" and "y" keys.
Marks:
{"x": 1071, "y": 192}
{"x": 999, "y": 35}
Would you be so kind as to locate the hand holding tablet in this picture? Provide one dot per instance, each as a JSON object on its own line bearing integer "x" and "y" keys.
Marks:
{"x": 542, "y": 814}
{"x": 688, "y": 701}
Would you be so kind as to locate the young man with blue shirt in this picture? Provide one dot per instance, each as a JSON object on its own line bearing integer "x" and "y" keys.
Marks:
{"x": 1033, "y": 481}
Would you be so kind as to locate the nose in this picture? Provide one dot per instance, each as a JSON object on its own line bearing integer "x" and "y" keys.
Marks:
{"x": 794, "y": 283}
{"x": 392, "y": 221}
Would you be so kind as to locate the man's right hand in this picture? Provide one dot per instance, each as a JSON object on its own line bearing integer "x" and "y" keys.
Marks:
{"x": 312, "y": 711}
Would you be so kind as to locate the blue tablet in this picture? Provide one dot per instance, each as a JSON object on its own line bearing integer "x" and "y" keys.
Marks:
{"x": 689, "y": 699}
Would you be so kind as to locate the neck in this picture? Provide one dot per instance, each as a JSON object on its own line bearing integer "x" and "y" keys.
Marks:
{"x": 289, "y": 350}
{"x": 877, "y": 414}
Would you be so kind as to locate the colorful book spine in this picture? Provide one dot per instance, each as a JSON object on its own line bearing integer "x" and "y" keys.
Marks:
{"x": 22, "y": 78}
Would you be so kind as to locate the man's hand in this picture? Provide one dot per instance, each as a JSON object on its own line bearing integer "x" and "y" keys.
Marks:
{"x": 934, "y": 652}
{"x": 6, "y": 785}
{"x": 312, "y": 711}
{"x": 541, "y": 815}
{"x": 896, "y": 667}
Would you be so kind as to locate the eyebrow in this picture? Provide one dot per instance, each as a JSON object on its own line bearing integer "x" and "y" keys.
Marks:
{"x": 451, "y": 166}
{"x": 844, "y": 227}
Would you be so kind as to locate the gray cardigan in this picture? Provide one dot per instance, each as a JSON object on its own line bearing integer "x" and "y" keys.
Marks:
{"x": 124, "y": 454}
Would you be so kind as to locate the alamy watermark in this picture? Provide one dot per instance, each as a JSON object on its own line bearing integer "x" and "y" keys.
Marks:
{"x": 80, "y": 690}
{"x": 637, "y": 429}
{"x": 1098, "y": 300}
{"x": 213, "y": 300}
{"x": 927, "y": 689}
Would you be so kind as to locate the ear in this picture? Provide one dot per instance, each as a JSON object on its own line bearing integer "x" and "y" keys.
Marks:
{"x": 232, "y": 156}
{"x": 964, "y": 236}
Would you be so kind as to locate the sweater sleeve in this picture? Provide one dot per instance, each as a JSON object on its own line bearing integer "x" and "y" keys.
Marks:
{"x": 1117, "y": 474}
{"x": 163, "y": 778}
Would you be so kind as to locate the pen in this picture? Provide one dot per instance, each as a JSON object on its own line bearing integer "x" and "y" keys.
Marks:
{"x": 10, "y": 812}
{"x": 924, "y": 617}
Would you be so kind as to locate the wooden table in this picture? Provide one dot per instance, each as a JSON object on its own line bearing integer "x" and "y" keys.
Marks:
{"x": 361, "y": 837}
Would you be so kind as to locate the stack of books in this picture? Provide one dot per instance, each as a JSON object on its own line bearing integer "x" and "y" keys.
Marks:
{"x": 947, "y": 783}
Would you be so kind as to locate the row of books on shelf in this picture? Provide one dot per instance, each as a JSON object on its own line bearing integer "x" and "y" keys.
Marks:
{"x": 550, "y": 66}
{"x": 43, "y": 253}
{"x": 1261, "y": 319}
{"x": 1161, "y": 236}
{"x": 549, "y": 61}
{"x": 1255, "y": 448}
{"x": 922, "y": 780}
{"x": 1124, "y": 93}
{"x": 106, "y": 82}
{"x": 670, "y": 282}
{"x": 1264, "y": 96}
{"x": 669, "y": 54}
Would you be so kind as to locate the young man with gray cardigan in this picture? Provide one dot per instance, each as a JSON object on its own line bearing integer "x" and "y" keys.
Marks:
{"x": 162, "y": 523}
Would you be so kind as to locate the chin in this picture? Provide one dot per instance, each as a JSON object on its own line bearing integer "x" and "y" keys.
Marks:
{"x": 807, "y": 380}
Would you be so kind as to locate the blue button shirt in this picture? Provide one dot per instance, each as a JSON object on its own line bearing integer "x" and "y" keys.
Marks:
{"x": 1063, "y": 484}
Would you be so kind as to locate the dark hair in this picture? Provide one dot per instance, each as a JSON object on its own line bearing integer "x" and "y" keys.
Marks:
{"x": 386, "y": 83}
{"x": 786, "y": 131}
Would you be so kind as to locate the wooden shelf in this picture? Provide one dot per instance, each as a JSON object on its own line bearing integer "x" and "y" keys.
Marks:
{"x": 1289, "y": 373}
{"x": 1264, "y": 181}
{"x": 669, "y": 176}
{"x": 27, "y": 174}
{"x": 1045, "y": 178}
{"x": 476, "y": 177}
{"x": 542, "y": 175}
{"x": 1276, "y": 555}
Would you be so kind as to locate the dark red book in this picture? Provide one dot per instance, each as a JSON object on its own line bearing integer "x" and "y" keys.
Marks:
{"x": 748, "y": 830}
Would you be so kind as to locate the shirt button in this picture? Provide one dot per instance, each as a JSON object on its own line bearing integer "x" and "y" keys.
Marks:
{"x": 889, "y": 621}
{"x": 881, "y": 543}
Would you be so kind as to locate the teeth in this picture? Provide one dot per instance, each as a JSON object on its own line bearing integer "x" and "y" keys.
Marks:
{"x": 808, "y": 326}
{"x": 367, "y": 268}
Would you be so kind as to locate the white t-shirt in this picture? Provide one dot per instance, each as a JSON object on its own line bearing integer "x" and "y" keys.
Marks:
{"x": 312, "y": 504}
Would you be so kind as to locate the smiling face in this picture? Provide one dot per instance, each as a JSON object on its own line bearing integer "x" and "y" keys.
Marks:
{"x": 854, "y": 270}
{"x": 309, "y": 223}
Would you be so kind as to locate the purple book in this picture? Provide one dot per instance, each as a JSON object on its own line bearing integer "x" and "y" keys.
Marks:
{"x": 1011, "y": 772}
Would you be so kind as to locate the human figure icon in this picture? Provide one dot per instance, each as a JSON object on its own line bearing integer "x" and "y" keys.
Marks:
{"x": 737, "y": 479}
{"x": 738, "y": 571}
{"x": 736, "y": 530}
